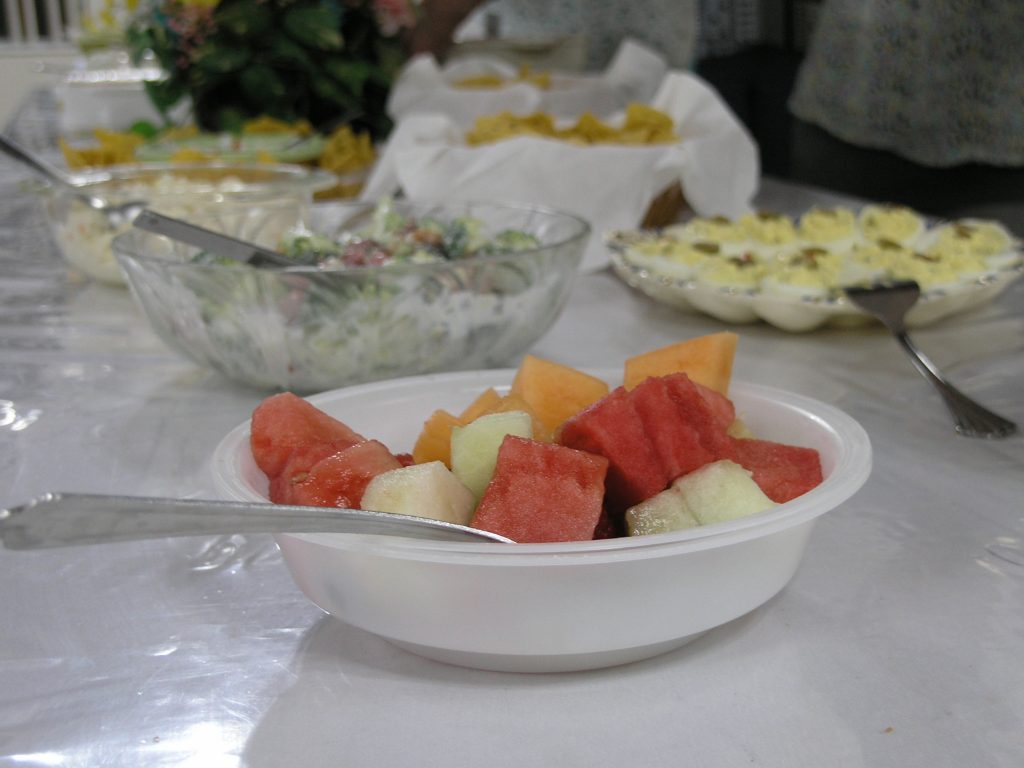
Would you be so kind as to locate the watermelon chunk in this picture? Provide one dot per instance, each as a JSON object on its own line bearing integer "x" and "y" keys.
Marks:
{"x": 612, "y": 428}
{"x": 284, "y": 422}
{"x": 301, "y": 460}
{"x": 783, "y": 471}
{"x": 722, "y": 409}
{"x": 663, "y": 428}
{"x": 542, "y": 492}
{"x": 677, "y": 441}
{"x": 608, "y": 527}
{"x": 704, "y": 410}
{"x": 340, "y": 479}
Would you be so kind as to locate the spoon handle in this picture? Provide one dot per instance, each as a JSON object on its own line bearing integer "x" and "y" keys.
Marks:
{"x": 208, "y": 240}
{"x": 64, "y": 519}
{"x": 33, "y": 162}
{"x": 971, "y": 418}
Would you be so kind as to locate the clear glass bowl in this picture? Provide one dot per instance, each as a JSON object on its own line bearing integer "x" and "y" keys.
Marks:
{"x": 176, "y": 189}
{"x": 306, "y": 329}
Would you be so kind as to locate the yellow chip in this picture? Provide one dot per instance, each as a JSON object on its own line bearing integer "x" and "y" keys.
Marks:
{"x": 112, "y": 148}
{"x": 189, "y": 155}
{"x": 347, "y": 151}
{"x": 643, "y": 125}
{"x": 179, "y": 132}
{"x": 266, "y": 124}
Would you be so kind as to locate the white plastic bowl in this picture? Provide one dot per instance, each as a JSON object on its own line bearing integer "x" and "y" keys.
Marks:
{"x": 554, "y": 607}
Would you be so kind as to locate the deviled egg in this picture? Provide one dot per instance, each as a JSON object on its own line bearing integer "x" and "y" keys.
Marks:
{"x": 769, "y": 229}
{"x": 934, "y": 270}
{"x": 989, "y": 240}
{"x": 896, "y": 223}
{"x": 870, "y": 261}
{"x": 834, "y": 228}
{"x": 809, "y": 273}
{"x": 740, "y": 273}
{"x": 715, "y": 229}
{"x": 671, "y": 258}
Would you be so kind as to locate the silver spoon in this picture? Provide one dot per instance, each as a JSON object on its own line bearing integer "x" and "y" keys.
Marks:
{"x": 118, "y": 215}
{"x": 889, "y": 303}
{"x": 66, "y": 519}
{"x": 217, "y": 242}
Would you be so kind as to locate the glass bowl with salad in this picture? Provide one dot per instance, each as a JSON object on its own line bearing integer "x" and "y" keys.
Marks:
{"x": 184, "y": 190}
{"x": 378, "y": 290}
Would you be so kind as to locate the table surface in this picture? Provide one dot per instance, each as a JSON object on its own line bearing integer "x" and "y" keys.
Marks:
{"x": 898, "y": 642}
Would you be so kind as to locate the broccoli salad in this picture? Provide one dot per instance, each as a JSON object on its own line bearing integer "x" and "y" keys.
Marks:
{"x": 394, "y": 238}
{"x": 342, "y": 324}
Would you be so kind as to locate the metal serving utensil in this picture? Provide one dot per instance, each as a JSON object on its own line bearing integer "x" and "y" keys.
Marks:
{"x": 67, "y": 519}
{"x": 201, "y": 237}
{"x": 117, "y": 214}
{"x": 889, "y": 303}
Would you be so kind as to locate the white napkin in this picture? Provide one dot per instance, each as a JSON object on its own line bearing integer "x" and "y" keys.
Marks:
{"x": 425, "y": 87}
{"x": 611, "y": 186}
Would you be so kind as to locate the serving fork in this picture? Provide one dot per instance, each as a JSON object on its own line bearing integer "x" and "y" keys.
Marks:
{"x": 889, "y": 302}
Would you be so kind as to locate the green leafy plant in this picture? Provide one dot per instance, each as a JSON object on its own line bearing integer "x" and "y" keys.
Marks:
{"x": 330, "y": 62}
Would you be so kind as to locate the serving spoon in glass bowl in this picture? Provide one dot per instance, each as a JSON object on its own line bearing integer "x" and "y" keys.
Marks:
{"x": 216, "y": 242}
{"x": 68, "y": 519}
{"x": 118, "y": 215}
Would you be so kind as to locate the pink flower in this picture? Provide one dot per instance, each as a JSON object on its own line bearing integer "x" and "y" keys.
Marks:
{"x": 394, "y": 15}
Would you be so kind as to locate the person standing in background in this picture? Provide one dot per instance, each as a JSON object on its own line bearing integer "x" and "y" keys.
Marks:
{"x": 670, "y": 27}
{"x": 914, "y": 101}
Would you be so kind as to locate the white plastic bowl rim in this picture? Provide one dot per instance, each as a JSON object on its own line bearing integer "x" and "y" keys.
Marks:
{"x": 849, "y": 471}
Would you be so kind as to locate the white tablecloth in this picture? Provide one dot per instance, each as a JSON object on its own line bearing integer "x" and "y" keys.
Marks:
{"x": 898, "y": 643}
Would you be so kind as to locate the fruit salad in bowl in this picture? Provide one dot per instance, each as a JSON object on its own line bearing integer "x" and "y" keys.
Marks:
{"x": 663, "y": 484}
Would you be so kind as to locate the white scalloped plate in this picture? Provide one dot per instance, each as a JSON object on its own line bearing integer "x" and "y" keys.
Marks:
{"x": 797, "y": 314}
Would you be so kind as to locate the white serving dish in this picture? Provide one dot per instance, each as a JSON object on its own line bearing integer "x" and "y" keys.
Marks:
{"x": 800, "y": 314}
{"x": 554, "y": 607}
{"x": 806, "y": 314}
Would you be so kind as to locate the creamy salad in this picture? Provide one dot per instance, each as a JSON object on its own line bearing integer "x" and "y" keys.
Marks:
{"x": 394, "y": 238}
{"x": 85, "y": 235}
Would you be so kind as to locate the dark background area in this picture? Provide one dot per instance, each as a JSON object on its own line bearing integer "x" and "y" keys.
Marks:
{"x": 757, "y": 81}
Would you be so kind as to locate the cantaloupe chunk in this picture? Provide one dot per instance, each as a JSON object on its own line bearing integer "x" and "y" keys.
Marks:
{"x": 513, "y": 402}
{"x": 435, "y": 440}
{"x": 484, "y": 403}
{"x": 555, "y": 392}
{"x": 549, "y": 392}
{"x": 705, "y": 359}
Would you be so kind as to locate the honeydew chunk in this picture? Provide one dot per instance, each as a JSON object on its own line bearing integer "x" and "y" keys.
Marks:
{"x": 475, "y": 446}
{"x": 421, "y": 490}
{"x": 720, "y": 491}
{"x": 663, "y": 512}
{"x": 739, "y": 429}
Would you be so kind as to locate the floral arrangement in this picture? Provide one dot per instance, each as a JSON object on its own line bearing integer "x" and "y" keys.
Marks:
{"x": 329, "y": 62}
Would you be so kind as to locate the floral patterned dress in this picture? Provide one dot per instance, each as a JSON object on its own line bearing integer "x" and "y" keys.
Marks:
{"x": 939, "y": 82}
